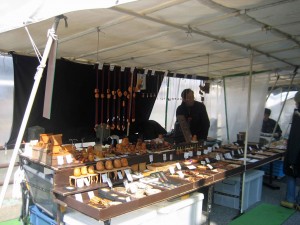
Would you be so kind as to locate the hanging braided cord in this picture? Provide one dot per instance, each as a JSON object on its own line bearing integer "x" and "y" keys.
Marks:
{"x": 97, "y": 83}
{"x": 114, "y": 93}
{"x": 133, "y": 94}
{"x": 119, "y": 92}
{"x": 129, "y": 97}
{"x": 102, "y": 95}
{"x": 97, "y": 93}
{"x": 125, "y": 94}
{"x": 108, "y": 96}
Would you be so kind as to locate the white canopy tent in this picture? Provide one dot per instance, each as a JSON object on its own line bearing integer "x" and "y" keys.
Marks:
{"x": 180, "y": 36}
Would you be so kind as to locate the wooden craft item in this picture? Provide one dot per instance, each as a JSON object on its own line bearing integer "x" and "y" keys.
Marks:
{"x": 185, "y": 128}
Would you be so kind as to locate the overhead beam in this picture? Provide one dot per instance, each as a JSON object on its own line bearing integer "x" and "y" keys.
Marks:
{"x": 120, "y": 20}
{"x": 178, "y": 47}
{"x": 192, "y": 57}
{"x": 236, "y": 67}
{"x": 244, "y": 16}
{"x": 192, "y": 30}
{"x": 126, "y": 44}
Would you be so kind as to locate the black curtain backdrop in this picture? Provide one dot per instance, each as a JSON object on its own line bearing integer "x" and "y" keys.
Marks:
{"x": 73, "y": 100}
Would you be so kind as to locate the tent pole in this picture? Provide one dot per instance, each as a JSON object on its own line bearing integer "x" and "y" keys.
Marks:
{"x": 37, "y": 78}
{"x": 247, "y": 131}
{"x": 225, "y": 101}
{"x": 167, "y": 102}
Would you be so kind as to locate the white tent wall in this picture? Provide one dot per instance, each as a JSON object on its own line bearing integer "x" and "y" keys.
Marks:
{"x": 6, "y": 97}
{"x": 214, "y": 102}
{"x": 236, "y": 91}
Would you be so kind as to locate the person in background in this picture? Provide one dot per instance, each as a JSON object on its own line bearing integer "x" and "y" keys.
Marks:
{"x": 150, "y": 129}
{"x": 269, "y": 125}
{"x": 195, "y": 114}
{"x": 291, "y": 163}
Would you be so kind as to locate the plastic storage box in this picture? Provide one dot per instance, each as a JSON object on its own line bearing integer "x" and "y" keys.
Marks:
{"x": 144, "y": 216}
{"x": 41, "y": 185}
{"x": 37, "y": 217}
{"x": 277, "y": 169}
{"x": 227, "y": 192}
{"x": 183, "y": 212}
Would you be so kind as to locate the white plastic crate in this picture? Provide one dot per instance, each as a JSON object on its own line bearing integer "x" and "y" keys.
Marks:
{"x": 144, "y": 216}
{"x": 226, "y": 193}
{"x": 183, "y": 212}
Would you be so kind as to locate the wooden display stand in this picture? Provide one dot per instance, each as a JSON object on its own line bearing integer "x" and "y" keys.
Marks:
{"x": 92, "y": 178}
{"x": 111, "y": 172}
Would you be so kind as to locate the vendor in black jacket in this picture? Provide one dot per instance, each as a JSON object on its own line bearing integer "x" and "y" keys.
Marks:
{"x": 269, "y": 125}
{"x": 195, "y": 114}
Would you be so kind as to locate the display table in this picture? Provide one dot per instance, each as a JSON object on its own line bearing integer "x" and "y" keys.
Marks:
{"x": 79, "y": 199}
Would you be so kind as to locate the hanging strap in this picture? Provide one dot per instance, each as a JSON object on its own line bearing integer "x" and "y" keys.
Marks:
{"x": 133, "y": 95}
{"x": 96, "y": 95}
{"x": 102, "y": 96}
{"x": 129, "y": 97}
{"x": 114, "y": 97}
{"x": 125, "y": 94}
{"x": 108, "y": 96}
{"x": 119, "y": 93}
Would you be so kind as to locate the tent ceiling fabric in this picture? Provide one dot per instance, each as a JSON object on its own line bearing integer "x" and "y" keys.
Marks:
{"x": 212, "y": 38}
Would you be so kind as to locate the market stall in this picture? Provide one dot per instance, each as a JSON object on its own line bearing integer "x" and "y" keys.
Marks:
{"x": 183, "y": 48}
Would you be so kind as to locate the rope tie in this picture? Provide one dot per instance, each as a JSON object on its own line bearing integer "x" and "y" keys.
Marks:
{"x": 36, "y": 50}
{"x": 51, "y": 33}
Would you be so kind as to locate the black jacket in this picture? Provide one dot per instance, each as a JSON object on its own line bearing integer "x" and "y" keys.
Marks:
{"x": 292, "y": 155}
{"x": 268, "y": 127}
{"x": 197, "y": 118}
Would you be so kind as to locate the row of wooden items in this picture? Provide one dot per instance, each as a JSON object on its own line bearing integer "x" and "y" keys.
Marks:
{"x": 101, "y": 166}
{"x": 53, "y": 142}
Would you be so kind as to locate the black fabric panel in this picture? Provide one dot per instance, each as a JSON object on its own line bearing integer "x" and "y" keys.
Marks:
{"x": 24, "y": 71}
{"x": 73, "y": 100}
{"x": 73, "y": 104}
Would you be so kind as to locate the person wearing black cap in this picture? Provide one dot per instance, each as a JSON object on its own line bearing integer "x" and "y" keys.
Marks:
{"x": 291, "y": 163}
{"x": 195, "y": 114}
{"x": 269, "y": 125}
